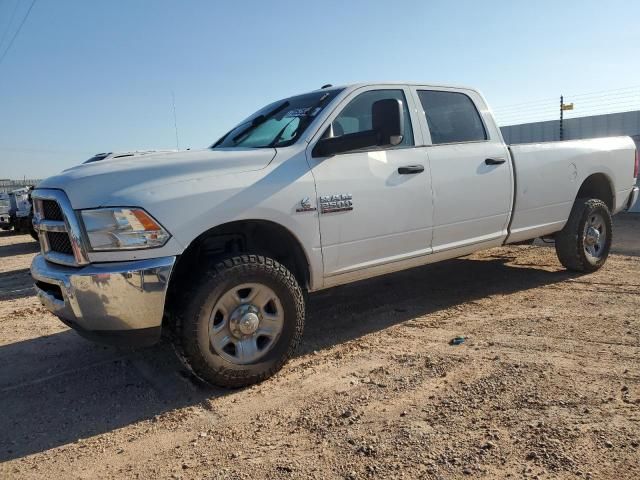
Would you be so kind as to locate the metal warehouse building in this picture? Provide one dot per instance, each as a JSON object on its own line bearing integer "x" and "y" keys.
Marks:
{"x": 609, "y": 125}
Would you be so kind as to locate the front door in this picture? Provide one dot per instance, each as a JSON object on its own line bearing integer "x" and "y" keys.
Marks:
{"x": 373, "y": 209}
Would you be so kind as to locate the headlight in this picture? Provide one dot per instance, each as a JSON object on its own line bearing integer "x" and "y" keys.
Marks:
{"x": 122, "y": 229}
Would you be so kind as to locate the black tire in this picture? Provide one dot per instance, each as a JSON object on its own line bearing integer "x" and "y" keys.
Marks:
{"x": 192, "y": 339}
{"x": 571, "y": 243}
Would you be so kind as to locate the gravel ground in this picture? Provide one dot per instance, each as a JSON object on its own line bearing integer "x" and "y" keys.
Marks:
{"x": 547, "y": 384}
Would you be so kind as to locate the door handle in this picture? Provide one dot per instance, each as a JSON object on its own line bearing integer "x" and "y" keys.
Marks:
{"x": 410, "y": 169}
{"x": 494, "y": 161}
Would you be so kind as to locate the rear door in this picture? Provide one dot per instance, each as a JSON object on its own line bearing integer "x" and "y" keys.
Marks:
{"x": 372, "y": 210}
{"x": 470, "y": 169}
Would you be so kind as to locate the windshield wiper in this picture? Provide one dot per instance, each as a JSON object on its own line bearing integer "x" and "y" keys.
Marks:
{"x": 259, "y": 120}
{"x": 276, "y": 140}
{"x": 306, "y": 116}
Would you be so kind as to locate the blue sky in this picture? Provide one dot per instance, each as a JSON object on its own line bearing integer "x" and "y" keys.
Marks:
{"x": 89, "y": 76}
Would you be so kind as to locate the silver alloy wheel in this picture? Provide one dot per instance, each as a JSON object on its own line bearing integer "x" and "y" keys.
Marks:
{"x": 246, "y": 323}
{"x": 595, "y": 236}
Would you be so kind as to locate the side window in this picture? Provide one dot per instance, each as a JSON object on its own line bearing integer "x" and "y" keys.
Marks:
{"x": 356, "y": 116}
{"x": 452, "y": 117}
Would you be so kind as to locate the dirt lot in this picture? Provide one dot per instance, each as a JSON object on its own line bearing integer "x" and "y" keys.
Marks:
{"x": 546, "y": 386}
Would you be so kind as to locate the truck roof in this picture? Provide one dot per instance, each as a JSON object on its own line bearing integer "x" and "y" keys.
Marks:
{"x": 353, "y": 86}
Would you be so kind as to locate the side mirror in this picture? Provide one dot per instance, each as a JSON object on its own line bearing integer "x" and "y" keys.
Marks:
{"x": 387, "y": 121}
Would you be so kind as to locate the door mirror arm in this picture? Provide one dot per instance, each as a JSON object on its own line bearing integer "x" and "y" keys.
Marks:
{"x": 328, "y": 147}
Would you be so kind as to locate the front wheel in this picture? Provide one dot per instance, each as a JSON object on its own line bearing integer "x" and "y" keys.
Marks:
{"x": 243, "y": 321}
{"x": 583, "y": 244}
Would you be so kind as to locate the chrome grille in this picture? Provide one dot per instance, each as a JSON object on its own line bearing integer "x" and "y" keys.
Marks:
{"x": 59, "y": 242}
{"x": 58, "y": 228}
{"x": 51, "y": 210}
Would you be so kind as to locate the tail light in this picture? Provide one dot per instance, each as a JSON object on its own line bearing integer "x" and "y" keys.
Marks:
{"x": 637, "y": 166}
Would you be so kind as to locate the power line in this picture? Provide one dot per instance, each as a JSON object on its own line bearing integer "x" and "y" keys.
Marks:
{"x": 607, "y": 109}
{"x": 552, "y": 116}
{"x": 13, "y": 15}
{"x": 542, "y": 100}
{"x": 15, "y": 35}
{"x": 526, "y": 119}
{"x": 584, "y": 97}
{"x": 533, "y": 108}
{"x": 613, "y": 97}
{"x": 580, "y": 108}
{"x": 597, "y": 103}
{"x": 604, "y": 91}
{"x": 526, "y": 109}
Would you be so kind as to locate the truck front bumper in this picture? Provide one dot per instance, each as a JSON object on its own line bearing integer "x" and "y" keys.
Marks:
{"x": 118, "y": 303}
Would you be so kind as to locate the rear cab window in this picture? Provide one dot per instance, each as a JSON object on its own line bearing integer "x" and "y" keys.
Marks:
{"x": 451, "y": 117}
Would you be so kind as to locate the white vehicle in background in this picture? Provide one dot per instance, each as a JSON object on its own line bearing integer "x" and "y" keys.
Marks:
{"x": 5, "y": 218}
{"x": 216, "y": 247}
{"x": 21, "y": 211}
{"x": 635, "y": 208}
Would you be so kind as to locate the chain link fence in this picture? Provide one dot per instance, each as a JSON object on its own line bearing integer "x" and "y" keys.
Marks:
{"x": 7, "y": 185}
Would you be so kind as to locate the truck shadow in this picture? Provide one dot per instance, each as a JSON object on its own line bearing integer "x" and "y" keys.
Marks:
{"x": 22, "y": 248}
{"x": 348, "y": 312}
{"x": 60, "y": 388}
{"x": 16, "y": 284}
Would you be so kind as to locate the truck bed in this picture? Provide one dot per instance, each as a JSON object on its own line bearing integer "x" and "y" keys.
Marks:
{"x": 548, "y": 176}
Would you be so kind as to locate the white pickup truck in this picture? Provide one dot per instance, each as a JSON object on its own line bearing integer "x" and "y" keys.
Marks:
{"x": 216, "y": 247}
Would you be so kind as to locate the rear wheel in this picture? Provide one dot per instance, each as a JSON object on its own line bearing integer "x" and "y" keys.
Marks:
{"x": 583, "y": 244}
{"x": 243, "y": 322}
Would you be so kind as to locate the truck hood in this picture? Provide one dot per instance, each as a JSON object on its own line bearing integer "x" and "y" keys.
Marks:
{"x": 95, "y": 184}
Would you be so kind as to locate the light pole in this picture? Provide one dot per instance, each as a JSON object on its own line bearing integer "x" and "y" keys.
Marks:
{"x": 561, "y": 112}
{"x": 563, "y": 107}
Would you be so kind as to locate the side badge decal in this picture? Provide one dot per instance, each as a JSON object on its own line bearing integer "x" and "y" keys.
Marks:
{"x": 336, "y": 203}
{"x": 305, "y": 206}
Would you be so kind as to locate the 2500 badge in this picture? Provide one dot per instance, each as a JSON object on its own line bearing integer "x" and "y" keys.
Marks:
{"x": 336, "y": 203}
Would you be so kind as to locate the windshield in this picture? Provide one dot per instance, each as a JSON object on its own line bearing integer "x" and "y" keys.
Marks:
{"x": 278, "y": 124}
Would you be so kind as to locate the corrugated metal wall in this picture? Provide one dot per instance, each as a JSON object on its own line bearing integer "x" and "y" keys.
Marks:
{"x": 610, "y": 125}
{"x": 625, "y": 123}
